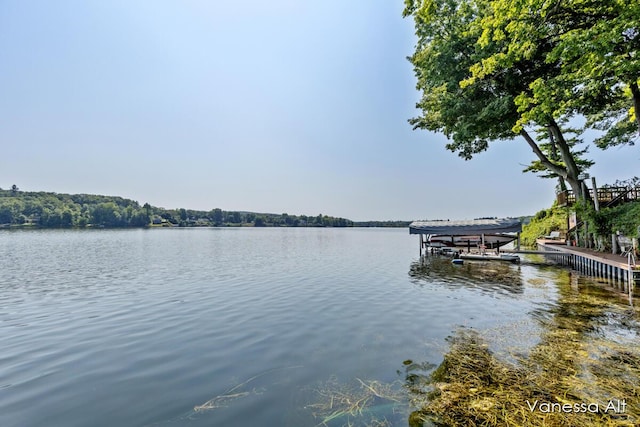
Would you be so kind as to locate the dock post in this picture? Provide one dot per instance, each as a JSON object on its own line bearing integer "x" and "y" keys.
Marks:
{"x": 596, "y": 202}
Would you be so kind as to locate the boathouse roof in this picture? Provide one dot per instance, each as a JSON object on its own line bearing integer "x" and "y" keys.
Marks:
{"x": 467, "y": 227}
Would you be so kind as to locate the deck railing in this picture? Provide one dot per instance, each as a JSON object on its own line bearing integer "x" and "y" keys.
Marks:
{"x": 607, "y": 196}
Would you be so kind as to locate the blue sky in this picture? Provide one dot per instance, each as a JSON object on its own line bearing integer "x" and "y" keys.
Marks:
{"x": 282, "y": 106}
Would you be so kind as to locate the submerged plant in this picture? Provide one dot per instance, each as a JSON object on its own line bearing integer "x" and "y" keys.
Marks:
{"x": 580, "y": 373}
{"x": 359, "y": 403}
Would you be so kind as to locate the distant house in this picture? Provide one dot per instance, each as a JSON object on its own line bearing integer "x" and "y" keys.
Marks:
{"x": 33, "y": 220}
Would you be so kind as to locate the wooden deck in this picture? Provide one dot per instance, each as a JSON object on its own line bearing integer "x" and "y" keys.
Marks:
{"x": 591, "y": 262}
{"x": 607, "y": 196}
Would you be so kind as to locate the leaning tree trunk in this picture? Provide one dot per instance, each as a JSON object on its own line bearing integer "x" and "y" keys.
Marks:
{"x": 568, "y": 174}
{"x": 572, "y": 169}
{"x": 554, "y": 156}
{"x": 635, "y": 93}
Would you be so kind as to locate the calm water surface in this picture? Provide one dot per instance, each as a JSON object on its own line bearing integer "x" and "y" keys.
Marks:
{"x": 138, "y": 327}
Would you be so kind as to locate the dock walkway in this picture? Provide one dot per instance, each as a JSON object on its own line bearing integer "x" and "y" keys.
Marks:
{"x": 590, "y": 262}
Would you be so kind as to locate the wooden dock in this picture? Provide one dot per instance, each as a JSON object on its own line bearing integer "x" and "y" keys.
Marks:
{"x": 587, "y": 261}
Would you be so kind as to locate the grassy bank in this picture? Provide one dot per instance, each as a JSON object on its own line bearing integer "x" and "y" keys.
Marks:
{"x": 624, "y": 219}
{"x": 543, "y": 223}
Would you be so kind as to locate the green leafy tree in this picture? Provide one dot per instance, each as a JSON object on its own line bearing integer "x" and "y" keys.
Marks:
{"x": 66, "y": 218}
{"x": 147, "y": 213}
{"x": 471, "y": 93}
{"x": 216, "y": 216}
{"x": 234, "y": 217}
{"x": 603, "y": 59}
{"x": 139, "y": 218}
{"x": 593, "y": 44}
{"x": 6, "y": 214}
{"x": 11, "y": 210}
{"x": 107, "y": 214}
{"x": 592, "y": 47}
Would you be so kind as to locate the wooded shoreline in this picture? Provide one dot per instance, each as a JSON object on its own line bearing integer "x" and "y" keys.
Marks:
{"x": 37, "y": 210}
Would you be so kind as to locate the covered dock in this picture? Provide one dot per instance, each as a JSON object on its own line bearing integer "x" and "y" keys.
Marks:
{"x": 480, "y": 234}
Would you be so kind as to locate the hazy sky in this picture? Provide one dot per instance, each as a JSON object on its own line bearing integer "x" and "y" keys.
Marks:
{"x": 280, "y": 106}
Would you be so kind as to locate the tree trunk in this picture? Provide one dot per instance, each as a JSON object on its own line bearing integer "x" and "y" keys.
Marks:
{"x": 572, "y": 169}
{"x": 635, "y": 92}
{"x": 554, "y": 156}
{"x": 568, "y": 173}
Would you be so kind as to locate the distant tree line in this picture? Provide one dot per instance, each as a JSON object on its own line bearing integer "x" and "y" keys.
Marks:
{"x": 42, "y": 209}
{"x": 69, "y": 210}
{"x": 395, "y": 224}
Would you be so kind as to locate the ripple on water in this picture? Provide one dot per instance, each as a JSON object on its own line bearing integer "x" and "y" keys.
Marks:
{"x": 135, "y": 327}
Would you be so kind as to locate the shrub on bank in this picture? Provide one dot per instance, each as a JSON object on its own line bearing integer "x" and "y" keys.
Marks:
{"x": 542, "y": 224}
{"x": 624, "y": 218}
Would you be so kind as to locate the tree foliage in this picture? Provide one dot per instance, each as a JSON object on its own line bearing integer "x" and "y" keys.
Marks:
{"x": 40, "y": 209}
{"x": 471, "y": 116}
{"x": 594, "y": 47}
{"x": 497, "y": 69}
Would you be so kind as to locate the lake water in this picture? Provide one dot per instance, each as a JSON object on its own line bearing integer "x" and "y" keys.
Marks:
{"x": 252, "y": 325}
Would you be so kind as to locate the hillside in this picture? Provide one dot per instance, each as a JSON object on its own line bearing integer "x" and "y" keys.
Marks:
{"x": 55, "y": 210}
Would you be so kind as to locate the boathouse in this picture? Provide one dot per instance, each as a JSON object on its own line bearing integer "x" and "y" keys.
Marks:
{"x": 481, "y": 234}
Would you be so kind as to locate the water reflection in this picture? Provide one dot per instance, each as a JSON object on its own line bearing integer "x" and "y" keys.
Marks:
{"x": 587, "y": 353}
{"x": 485, "y": 275}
